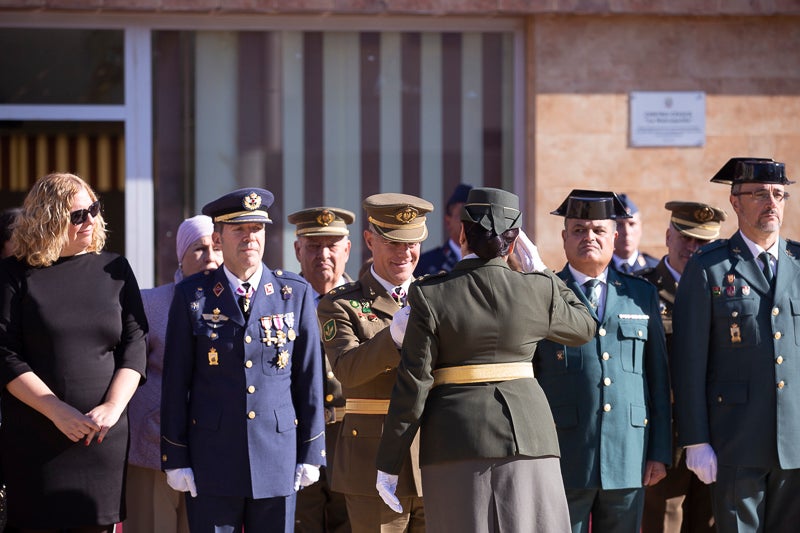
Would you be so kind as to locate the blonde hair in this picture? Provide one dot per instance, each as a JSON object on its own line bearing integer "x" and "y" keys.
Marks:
{"x": 41, "y": 229}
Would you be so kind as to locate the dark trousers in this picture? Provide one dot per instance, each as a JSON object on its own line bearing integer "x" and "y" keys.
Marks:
{"x": 756, "y": 500}
{"x": 609, "y": 511}
{"x": 225, "y": 514}
{"x": 679, "y": 503}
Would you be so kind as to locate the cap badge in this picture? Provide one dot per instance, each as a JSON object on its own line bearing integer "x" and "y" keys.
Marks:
{"x": 325, "y": 218}
{"x": 251, "y": 202}
{"x": 406, "y": 215}
{"x": 704, "y": 215}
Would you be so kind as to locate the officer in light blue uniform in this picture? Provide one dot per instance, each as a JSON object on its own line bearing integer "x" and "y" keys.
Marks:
{"x": 609, "y": 397}
{"x": 242, "y": 420}
{"x": 736, "y": 358}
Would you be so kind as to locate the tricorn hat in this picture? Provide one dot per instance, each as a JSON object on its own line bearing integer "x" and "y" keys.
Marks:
{"x": 492, "y": 209}
{"x": 592, "y": 205}
{"x": 751, "y": 170}
{"x": 241, "y": 206}
{"x": 696, "y": 220}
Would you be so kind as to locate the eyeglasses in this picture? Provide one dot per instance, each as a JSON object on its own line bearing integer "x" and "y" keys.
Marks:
{"x": 79, "y": 217}
{"x": 763, "y": 195}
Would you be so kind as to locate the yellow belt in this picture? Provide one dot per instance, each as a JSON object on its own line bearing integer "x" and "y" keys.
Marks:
{"x": 361, "y": 406}
{"x": 456, "y": 375}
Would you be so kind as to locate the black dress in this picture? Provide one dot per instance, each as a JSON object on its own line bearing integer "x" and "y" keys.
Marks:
{"x": 73, "y": 324}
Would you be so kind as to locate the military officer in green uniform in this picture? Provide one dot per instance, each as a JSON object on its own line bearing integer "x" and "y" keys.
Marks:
{"x": 610, "y": 396}
{"x": 736, "y": 358}
{"x": 489, "y": 451}
{"x": 355, "y": 321}
{"x": 323, "y": 247}
{"x": 679, "y": 502}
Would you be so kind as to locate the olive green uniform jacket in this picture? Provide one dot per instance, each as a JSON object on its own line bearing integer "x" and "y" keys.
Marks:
{"x": 480, "y": 313}
{"x": 355, "y": 322}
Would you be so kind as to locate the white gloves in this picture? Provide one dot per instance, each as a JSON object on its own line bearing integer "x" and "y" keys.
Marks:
{"x": 182, "y": 480}
{"x": 399, "y": 324}
{"x": 701, "y": 459}
{"x": 305, "y": 475}
{"x": 528, "y": 254}
{"x": 387, "y": 485}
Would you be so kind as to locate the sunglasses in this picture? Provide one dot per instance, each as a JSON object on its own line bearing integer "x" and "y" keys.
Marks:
{"x": 79, "y": 217}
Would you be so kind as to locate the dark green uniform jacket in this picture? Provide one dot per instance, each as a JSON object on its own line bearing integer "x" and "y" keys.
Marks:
{"x": 482, "y": 312}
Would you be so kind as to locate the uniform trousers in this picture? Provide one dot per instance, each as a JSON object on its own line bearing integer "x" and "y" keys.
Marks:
{"x": 756, "y": 500}
{"x": 502, "y": 495}
{"x": 228, "y": 514}
{"x": 320, "y": 509}
{"x": 617, "y": 510}
{"x": 152, "y": 505}
{"x": 679, "y": 503}
{"x": 368, "y": 514}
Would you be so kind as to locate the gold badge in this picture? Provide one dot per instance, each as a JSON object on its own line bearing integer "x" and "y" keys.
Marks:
{"x": 213, "y": 357}
{"x": 704, "y": 215}
{"x": 325, "y": 218}
{"x": 730, "y": 278}
{"x": 406, "y": 215}
{"x": 251, "y": 202}
{"x": 736, "y": 334}
{"x": 282, "y": 359}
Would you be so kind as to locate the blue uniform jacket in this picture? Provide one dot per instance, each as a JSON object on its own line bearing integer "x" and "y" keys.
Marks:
{"x": 736, "y": 357}
{"x": 239, "y": 411}
{"x": 610, "y": 397}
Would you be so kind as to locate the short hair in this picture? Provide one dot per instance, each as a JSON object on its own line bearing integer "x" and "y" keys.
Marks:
{"x": 41, "y": 229}
{"x": 487, "y": 244}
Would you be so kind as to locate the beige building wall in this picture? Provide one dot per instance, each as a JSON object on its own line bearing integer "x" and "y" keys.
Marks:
{"x": 582, "y": 69}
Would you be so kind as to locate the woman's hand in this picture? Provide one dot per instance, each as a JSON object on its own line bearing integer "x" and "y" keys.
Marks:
{"x": 104, "y": 416}
{"x": 74, "y": 424}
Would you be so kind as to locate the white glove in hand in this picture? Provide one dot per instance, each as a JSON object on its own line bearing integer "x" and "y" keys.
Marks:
{"x": 182, "y": 480}
{"x": 305, "y": 475}
{"x": 701, "y": 459}
{"x": 528, "y": 254}
{"x": 399, "y": 324}
{"x": 387, "y": 485}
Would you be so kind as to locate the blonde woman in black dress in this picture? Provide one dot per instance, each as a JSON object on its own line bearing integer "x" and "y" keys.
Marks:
{"x": 72, "y": 352}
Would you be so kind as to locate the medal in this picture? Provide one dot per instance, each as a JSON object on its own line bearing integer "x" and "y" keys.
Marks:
{"x": 730, "y": 278}
{"x": 277, "y": 321}
{"x": 736, "y": 334}
{"x": 745, "y": 290}
{"x": 280, "y": 338}
{"x": 730, "y": 290}
{"x": 286, "y": 292}
{"x": 715, "y": 291}
{"x": 213, "y": 357}
{"x": 282, "y": 359}
{"x": 288, "y": 318}
{"x": 194, "y": 306}
{"x": 291, "y": 335}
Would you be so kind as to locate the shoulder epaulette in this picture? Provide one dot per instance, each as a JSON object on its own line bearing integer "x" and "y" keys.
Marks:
{"x": 713, "y": 245}
{"x": 426, "y": 277}
{"x": 347, "y": 287}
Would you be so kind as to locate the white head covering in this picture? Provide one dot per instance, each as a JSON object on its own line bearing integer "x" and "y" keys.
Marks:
{"x": 189, "y": 231}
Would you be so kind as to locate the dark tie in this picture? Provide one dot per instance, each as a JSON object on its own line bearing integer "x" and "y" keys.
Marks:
{"x": 624, "y": 267}
{"x": 589, "y": 288}
{"x": 399, "y": 296}
{"x": 244, "y": 300}
{"x": 764, "y": 256}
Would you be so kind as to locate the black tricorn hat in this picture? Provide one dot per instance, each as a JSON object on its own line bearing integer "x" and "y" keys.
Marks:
{"x": 751, "y": 170}
{"x": 492, "y": 209}
{"x": 592, "y": 205}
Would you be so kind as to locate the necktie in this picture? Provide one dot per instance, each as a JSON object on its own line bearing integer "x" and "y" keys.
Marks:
{"x": 624, "y": 267}
{"x": 244, "y": 299}
{"x": 399, "y": 296}
{"x": 590, "y": 289}
{"x": 764, "y": 256}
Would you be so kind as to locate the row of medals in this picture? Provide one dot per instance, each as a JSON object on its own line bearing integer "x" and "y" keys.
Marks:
{"x": 267, "y": 322}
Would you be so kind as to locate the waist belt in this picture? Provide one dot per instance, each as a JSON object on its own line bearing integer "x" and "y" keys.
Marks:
{"x": 360, "y": 406}
{"x": 333, "y": 415}
{"x": 456, "y": 375}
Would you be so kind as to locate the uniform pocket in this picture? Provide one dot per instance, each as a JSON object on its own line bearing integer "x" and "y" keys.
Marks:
{"x": 633, "y": 335}
{"x": 735, "y": 322}
{"x": 638, "y": 416}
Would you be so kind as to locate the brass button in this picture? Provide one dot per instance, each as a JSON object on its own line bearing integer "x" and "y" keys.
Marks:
{"x": 607, "y": 407}
{"x": 251, "y": 415}
{"x": 775, "y": 311}
{"x": 194, "y": 421}
{"x": 607, "y": 382}
{"x": 295, "y": 421}
{"x": 781, "y": 384}
{"x": 601, "y": 332}
{"x": 251, "y": 389}
{"x": 779, "y": 359}
{"x": 735, "y": 314}
{"x": 330, "y": 375}
{"x": 354, "y": 432}
{"x": 646, "y": 421}
{"x": 248, "y": 364}
{"x": 323, "y": 453}
{"x": 777, "y": 335}
{"x": 248, "y": 339}
{"x": 329, "y": 397}
{"x": 164, "y": 458}
{"x": 719, "y": 398}
{"x": 213, "y": 335}
{"x": 606, "y": 356}
{"x": 639, "y": 332}
{"x": 387, "y": 370}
